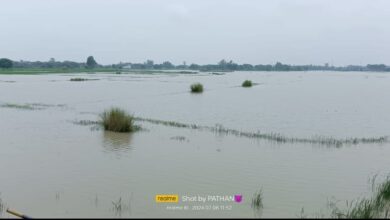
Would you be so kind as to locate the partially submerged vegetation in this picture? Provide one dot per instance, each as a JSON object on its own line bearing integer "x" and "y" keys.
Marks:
{"x": 29, "y": 106}
{"x": 86, "y": 122}
{"x": 117, "y": 120}
{"x": 119, "y": 207}
{"x": 2, "y": 206}
{"x": 257, "y": 200}
{"x": 179, "y": 138}
{"x": 276, "y": 137}
{"x": 378, "y": 206}
{"x": 187, "y": 72}
{"x": 247, "y": 83}
{"x": 257, "y": 203}
{"x": 78, "y": 79}
{"x": 196, "y": 88}
{"x": 18, "y": 106}
{"x": 81, "y": 79}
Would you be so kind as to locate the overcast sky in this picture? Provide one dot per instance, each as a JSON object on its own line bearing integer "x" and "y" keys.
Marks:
{"x": 340, "y": 32}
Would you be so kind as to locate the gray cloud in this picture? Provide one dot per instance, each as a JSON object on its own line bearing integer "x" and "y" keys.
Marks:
{"x": 202, "y": 31}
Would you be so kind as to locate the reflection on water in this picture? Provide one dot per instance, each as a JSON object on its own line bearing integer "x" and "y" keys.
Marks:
{"x": 117, "y": 142}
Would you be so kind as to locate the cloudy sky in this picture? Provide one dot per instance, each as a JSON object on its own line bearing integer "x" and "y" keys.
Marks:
{"x": 340, "y": 32}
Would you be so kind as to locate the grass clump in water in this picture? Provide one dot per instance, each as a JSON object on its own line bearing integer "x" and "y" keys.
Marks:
{"x": 1, "y": 206}
{"x": 257, "y": 203}
{"x": 257, "y": 200}
{"x": 117, "y": 120}
{"x": 18, "y": 106}
{"x": 378, "y": 206}
{"x": 247, "y": 83}
{"x": 196, "y": 88}
{"x": 78, "y": 79}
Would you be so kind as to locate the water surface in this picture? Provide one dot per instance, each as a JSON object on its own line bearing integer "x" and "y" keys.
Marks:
{"x": 51, "y": 167}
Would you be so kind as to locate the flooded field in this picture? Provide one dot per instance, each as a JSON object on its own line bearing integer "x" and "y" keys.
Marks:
{"x": 302, "y": 138}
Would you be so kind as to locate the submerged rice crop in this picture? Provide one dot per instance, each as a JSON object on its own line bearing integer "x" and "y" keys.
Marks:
{"x": 18, "y": 106}
{"x": 1, "y": 206}
{"x": 85, "y": 122}
{"x": 29, "y": 106}
{"x": 276, "y": 137}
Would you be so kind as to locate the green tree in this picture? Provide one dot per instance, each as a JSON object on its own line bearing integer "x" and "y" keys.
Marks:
{"x": 91, "y": 63}
{"x": 167, "y": 65}
{"x": 6, "y": 63}
{"x": 149, "y": 64}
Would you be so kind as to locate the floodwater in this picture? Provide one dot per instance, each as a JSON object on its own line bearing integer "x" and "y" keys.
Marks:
{"x": 52, "y": 167}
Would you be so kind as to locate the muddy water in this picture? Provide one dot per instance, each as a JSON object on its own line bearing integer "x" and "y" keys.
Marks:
{"x": 51, "y": 167}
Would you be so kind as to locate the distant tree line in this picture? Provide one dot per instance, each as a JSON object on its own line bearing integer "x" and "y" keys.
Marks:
{"x": 52, "y": 63}
{"x": 222, "y": 65}
{"x": 6, "y": 63}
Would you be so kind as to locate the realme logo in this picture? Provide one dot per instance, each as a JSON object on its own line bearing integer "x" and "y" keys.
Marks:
{"x": 167, "y": 198}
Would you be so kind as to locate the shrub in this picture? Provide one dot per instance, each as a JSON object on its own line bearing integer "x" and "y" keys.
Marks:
{"x": 247, "y": 83}
{"x": 197, "y": 88}
{"x": 117, "y": 120}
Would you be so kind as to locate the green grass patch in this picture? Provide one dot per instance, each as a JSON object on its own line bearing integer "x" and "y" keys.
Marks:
{"x": 19, "y": 106}
{"x": 117, "y": 120}
{"x": 78, "y": 79}
{"x": 378, "y": 206}
{"x": 247, "y": 83}
{"x": 81, "y": 79}
{"x": 29, "y": 106}
{"x": 196, "y": 88}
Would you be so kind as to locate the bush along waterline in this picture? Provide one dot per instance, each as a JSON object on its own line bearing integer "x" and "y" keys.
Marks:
{"x": 196, "y": 88}
{"x": 118, "y": 120}
{"x": 247, "y": 83}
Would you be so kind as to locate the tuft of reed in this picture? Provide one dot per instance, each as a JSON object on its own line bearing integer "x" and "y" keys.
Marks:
{"x": 18, "y": 106}
{"x": 378, "y": 206}
{"x": 302, "y": 213}
{"x": 1, "y": 206}
{"x": 196, "y": 88}
{"x": 257, "y": 200}
{"x": 179, "y": 138}
{"x": 118, "y": 205}
{"x": 29, "y": 106}
{"x": 78, "y": 79}
{"x": 257, "y": 203}
{"x": 117, "y": 120}
{"x": 85, "y": 122}
{"x": 247, "y": 83}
